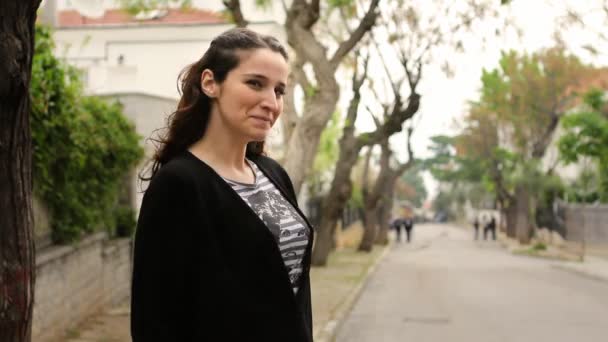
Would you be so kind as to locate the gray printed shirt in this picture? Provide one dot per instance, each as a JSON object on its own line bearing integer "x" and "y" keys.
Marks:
{"x": 289, "y": 229}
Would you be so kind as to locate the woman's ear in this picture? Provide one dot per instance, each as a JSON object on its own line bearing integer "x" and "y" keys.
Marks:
{"x": 208, "y": 84}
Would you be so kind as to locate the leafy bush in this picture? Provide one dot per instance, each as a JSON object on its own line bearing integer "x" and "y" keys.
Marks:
{"x": 82, "y": 146}
{"x": 539, "y": 246}
{"x": 125, "y": 222}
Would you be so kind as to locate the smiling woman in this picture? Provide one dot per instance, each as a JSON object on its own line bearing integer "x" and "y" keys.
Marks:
{"x": 222, "y": 251}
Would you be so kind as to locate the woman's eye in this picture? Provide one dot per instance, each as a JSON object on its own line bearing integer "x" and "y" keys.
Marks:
{"x": 279, "y": 91}
{"x": 255, "y": 84}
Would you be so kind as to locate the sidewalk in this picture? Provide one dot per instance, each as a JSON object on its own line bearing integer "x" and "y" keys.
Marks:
{"x": 335, "y": 288}
{"x": 591, "y": 266}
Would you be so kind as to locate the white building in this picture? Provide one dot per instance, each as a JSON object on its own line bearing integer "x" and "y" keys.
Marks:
{"x": 137, "y": 59}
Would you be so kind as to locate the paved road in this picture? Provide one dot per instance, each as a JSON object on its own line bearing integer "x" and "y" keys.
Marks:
{"x": 446, "y": 287}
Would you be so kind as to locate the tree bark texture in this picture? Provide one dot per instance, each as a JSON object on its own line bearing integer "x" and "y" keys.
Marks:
{"x": 341, "y": 185}
{"x": 511, "y": 218}
{"x": 321, "y": 102}
{"x": 370, "y": 229}
{"x": 373, "y": 201}
{"x": 384, "y": 214}
{"x": 523, "y": 232}
{"x": 383, "y": 188}
{"x": 17, "y": 255}
{"x": 333, "y": 205}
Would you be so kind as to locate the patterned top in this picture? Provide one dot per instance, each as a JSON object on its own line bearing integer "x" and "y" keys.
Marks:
{"x": 288, "y": 228}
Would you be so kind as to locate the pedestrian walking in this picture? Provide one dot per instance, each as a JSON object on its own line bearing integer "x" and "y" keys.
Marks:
{"x": 222, "y": 251}
{"x": 397, "y": 225}
{"x": 476, "y": 227}
{"x": 408, "y": 224}
{"x": 490, "y": 227}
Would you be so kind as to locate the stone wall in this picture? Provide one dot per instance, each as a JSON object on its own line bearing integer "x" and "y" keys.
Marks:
{"x": 74, "y": 282}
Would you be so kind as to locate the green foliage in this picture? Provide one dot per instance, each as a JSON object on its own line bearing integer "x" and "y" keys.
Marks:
{"x": 125, "y": 221}
{"x": 539, "y": 246}
{"x": 311, "y": 91}
{"x": 82, "y": 146}
{"x": 327, "y": 154}
{"x": 443, "y": 202}
{"x": 586, "y": 135}
{"x": 585, "y": 188}
{"x": 523, "y": 92}
{"x": 263, "y": 4}
{"x": 356, "y": 198}
{"x": 413, "y": 178}
{"x": 134, "y": 7}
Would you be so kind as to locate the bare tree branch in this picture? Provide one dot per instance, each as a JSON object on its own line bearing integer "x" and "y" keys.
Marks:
{"x": 289, "y": 118}
{"x": 395, "y": 86}
{"x": 234, "y": 6}
{"x": 410, "y": 153}
{"x": 365, "y": 25}
{"x": 357, "y": 83}
{"x": 377, "y": 121}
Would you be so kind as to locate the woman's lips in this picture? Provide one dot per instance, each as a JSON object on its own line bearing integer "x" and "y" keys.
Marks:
{"x": 262, "y": 118}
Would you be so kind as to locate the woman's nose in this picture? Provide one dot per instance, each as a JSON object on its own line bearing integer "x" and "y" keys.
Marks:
{"x": 270, "y": 101}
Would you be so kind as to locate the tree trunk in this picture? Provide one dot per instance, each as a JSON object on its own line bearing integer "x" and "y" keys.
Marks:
{"x": 302, "y": 146}
{"x": 17, "y": 255}
{"x": 511, "y": 218}
{"x": 384, "y": 217}
{"x": 334, "y": 203}
{"x": 522, "y": 223}
{"x": 369, "y": 230}
{"x": 323, "y": 241}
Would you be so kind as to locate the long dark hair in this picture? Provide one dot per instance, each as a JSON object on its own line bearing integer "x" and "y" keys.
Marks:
{"x": 188, "y": 123}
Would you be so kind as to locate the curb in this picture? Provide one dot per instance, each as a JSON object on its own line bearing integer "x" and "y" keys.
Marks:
{"x": 586, "y": 274}
{"x": 329, "y": 331}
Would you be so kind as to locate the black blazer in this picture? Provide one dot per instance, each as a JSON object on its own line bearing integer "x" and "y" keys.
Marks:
{"x": 206, "y": 268}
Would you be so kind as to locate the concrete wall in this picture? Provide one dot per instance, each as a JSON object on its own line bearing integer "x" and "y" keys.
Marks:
{"x": 73, "y": 282}
{"x": 588, "y": 224}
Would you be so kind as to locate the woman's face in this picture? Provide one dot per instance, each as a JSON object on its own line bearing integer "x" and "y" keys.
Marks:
{"x": 250, "y": 99}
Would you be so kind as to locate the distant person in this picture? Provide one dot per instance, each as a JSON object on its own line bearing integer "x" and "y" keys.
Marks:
{"x": 222, "y": 252}
{"x": 491, "y": 227}
{"x": 476, "y": 227}
{"x": 408, "y": 224}
{"x": 397, "y": 225}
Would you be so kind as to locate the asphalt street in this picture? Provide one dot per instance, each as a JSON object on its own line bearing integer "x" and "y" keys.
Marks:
{"x": 446, "y": 287}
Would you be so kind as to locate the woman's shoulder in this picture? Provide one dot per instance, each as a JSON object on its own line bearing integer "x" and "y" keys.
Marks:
{"x": 182, "y": 171}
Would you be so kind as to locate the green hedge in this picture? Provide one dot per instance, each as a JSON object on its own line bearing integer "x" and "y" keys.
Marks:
{"x": 82, "y": 147}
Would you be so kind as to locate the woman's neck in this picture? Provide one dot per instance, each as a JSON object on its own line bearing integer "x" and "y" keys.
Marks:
{"x": 223, "y": 152}
{"x": 220, "y": 153}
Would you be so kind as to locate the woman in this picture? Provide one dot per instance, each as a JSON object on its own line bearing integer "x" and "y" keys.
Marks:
{"x": 222, "y": 251}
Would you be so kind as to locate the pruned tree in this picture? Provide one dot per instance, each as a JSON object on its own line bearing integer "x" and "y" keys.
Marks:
{"x": 529, "y": 94}
{"x": 410, "y": 186}
{"x": 378, "y": 202}
{"x": 350, "y": 147}
{"x": 302, "y": 132}
{"x": 17, "y": 255}
{"x": 586, "y": 135}
{"x": 507, "y": 132}
{"x": 414, "y": 45}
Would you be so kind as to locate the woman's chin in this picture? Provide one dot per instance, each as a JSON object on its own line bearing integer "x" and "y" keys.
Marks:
{"x": 259, "y": 135}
